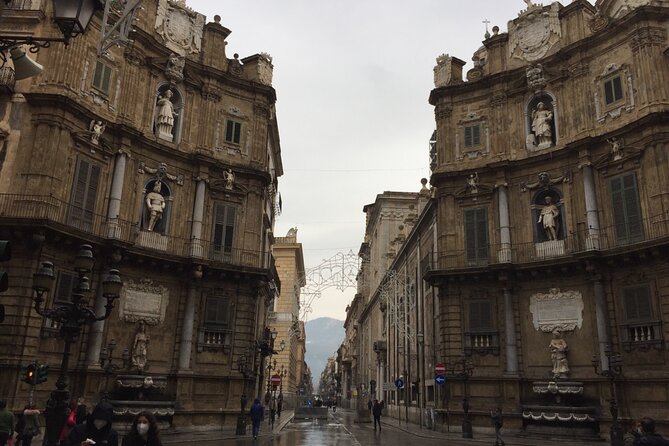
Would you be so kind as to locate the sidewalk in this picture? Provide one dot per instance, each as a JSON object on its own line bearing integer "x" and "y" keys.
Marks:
{"x": 226, "y": 432}
{"x": 510, "y": 437}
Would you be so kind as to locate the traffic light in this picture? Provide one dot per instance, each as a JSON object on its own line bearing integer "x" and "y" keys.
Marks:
{"x": 42, "y": 373}
{"x": 5, "y": 254}
{"x": 30, "y": 375}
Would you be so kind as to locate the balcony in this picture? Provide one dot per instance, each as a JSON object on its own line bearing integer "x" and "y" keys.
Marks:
{"x": 647, "y": 232}
{"x": 46, "y": 210}
{"x": 642, "y": 335}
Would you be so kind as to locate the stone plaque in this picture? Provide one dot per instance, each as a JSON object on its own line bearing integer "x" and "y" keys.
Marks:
{"x": 143, "y": 301}
{"x": 556, "y": 309}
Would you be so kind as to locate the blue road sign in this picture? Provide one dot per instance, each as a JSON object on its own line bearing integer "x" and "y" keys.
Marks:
{"x": 440, "y": 379}
{"x": 399, "y": 383}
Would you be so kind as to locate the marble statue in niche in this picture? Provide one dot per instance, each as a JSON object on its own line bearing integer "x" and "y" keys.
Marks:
{"x": 228, "y": 179}
{"x": 165, "y": 115}
{"x": 542, "y": 120}
{"x": 559, "y": 348}
{"x": 155, "y": 204}
{"x": 473, "y": 183}
{"x": 548, "y": 218}
{"x": 140, "y": 347}
{"x": 97, "y": 128}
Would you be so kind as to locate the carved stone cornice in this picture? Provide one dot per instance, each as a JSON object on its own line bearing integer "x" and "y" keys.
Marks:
{"x": 442, "y": 111}
{"x": 648, "y": 37}
{"x": 134, "y": 56}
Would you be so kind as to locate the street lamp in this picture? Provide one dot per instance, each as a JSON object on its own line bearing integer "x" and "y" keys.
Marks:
{"x": 465, "y": 371}
{"x": 614, "y": 370}
{"x": 71, "y": 317}
{"x": 108, "y": 366}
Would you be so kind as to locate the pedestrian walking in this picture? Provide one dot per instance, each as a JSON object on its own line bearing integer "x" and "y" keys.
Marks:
{"x": 279, "y": 405}
{"x": 29, "y": 426}
{"x": 143, "y": 432}
{"x": 97, "y": 428}
{"x": 6, "y": 423}
{"x": 377, "y": 408}
{"x": 272, "y": 411}
{"x": 496, "y": 417}
{"x": 82, "y": 411}
{"x": 645, "y": 434}
{"x": 257, "y": 413}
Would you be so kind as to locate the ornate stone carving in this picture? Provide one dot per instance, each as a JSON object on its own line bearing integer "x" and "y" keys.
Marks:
{"x": 646, "y": 37}
{"x": 534, "y": 32}
{"x": 473, "y": 183}
{"x": 180, "y": 27}
{"x": 535, "y": 77}
{"x": 165, "y": 116}
{"x": 143, "y": 301}
{"x": 559, "y": 348}
{"x": 174, "y": 71}
{"x": 442, "y": 71}
{"x": 557, "y": 310}
{"x": 544, "y": 180}
{"x": 598, "y": 22}
{"x": 140, "y": 348}
{"x": 229, "y": 179}
{"x": 265, "y": 69}
{"x": 97, "y": 128}
{"x": 160, "y": 172}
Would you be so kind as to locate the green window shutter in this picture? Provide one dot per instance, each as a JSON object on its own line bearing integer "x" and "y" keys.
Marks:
{"x": 476, "y": 236}
{"x": 233, "y": 131}
{"x": 468, "y": 137}
{"x": 84, "y": 194}
{"x": 238, "y": 133}
{"x": 480, "y": 316}
{"x": 66, "y": 283}
{"x": 608, "y": 92}
{"x": 476, "y": 135}
{"x": 217, "y": 311}
{"x": 626, "y": 209}
{"x": 224, "y": 227}
{"x": 617, "y": 88}
{"x": 101, "y": 77}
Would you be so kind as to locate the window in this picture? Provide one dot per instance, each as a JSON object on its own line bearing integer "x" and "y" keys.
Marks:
{"x": 613, "y": 90}
{"x": 233, "y": 132}
{"x": 223, "y": 231}
{"x": 476, "y": 236}
{"x": 66, "y": 283}
{"x": 640, "y": 327}
{"x": 472, "y": 135}
{"x": 481, "y": 335}
{"x": 216, "y": 333}
{"x": 84, "y": 195}
{"x": 101, "y": 77}
{"x": 626, "y": 210}
{"x": 217, "y": 312}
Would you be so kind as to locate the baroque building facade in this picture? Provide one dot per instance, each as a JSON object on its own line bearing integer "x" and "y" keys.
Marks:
{"x": 550, "y": 169}
{"x": 163, "y": 155}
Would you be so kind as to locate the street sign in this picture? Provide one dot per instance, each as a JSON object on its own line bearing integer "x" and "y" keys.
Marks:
{"x": 399, "y": 383}
{"x": 440, "y": 379}
{"x": 276, "y": 380}
{"x": 439, "y": 368}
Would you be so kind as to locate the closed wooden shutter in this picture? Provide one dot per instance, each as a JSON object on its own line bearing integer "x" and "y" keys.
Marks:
{"x": 66, "y": 283}
{"x": 224, "y": 228}
{"x": 217, "y": 311}
{"x": 472, "y": 135}
{"x": 480, "y": 316}
{"x": 637, "y": 304}
{"x": 476, "y": 236}
{"x": 84, "y": 195}
{"x": 626, "y": 209}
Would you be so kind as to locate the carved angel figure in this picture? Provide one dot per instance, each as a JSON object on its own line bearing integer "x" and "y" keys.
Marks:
{"x": 229, "y": 179}
{"x": 473, "y": 183}
{"x": 97, "y": 128}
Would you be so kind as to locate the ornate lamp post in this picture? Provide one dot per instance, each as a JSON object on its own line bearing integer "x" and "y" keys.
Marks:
{"x": 464, "y": 372}
{"x": 614, "y": 370}
{"x": 71, "y": 316}
{"x": 108, "y": 366}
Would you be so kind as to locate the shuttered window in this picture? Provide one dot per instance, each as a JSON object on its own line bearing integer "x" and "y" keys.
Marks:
{"x": 101, "y": 77}
{"x": 66, "y": 283}
{"x": 472, "y": 135}
{"x": 637, "y": 303}
{"x": 233, "y": 132}
{"x": 613, "y": 90}
{"x": 480, "y": 316}
{"x": 84, "y": 195}
{"x": 224, "y": 229}
{"x": 217, "y": 311}
{"x": 476, "y": 236}
{"x": 626, "y": 209}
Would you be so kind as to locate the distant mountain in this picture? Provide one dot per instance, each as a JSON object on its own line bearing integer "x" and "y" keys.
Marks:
{"x": 324, "y": 336}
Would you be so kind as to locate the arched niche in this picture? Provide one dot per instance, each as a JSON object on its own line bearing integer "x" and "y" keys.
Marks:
{"x": 162, "y": 225}
{"x": 168, "y": 113}
{"x": 539, "y": 203}
{"x": 541, "y": 117}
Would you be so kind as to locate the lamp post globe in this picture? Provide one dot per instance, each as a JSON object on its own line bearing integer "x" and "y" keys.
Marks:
{"x": 73, "y": 16}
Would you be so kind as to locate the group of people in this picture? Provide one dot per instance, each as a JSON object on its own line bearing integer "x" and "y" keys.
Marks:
{"x": 644, "y": 434}
{"x": 81, "y": 428}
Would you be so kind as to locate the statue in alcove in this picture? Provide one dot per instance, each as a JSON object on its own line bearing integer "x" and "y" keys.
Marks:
{"x": 542, "y": 120}
{"x": 548, "y": 218}
{"x": 166, "y": 114}
{"x": 155, "y": 203}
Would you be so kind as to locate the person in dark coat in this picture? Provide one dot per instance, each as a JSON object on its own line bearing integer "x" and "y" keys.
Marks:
{"x": 257, "y": 413}
{"x": 82, "y": 411}
{"x": 98, "y": 428}
{"x": 647, "y": 435}
{"x": 143, "y": 432}
{"x": 377, "y": 408}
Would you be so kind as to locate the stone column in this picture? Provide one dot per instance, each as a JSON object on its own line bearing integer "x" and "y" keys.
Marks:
{"x": 198, "y": 215}
{"x": 592, "y": 241}
{"x": 97, "y": 329}
{"x": 186, "y": 346}
{"x": 510, "y": 334}
{"x": 113, "y": 230}
{"x": 602, "y": 325}
{"x": 504, "y": 225}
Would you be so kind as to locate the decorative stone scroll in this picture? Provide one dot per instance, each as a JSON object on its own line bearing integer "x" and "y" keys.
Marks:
{"x": 180, "y": 27}
{"x": 143, "y": 301}
{"x": 556, "y": 309}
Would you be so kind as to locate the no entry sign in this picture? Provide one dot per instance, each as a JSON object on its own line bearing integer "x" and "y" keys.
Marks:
{"x": 439, "y": 368}
{"x": 276, "y": 380}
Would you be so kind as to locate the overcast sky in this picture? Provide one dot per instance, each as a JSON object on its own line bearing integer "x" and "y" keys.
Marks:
{"x": 352, "y": 79}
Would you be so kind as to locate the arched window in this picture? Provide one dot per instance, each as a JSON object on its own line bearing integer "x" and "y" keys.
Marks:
{"x": 156, "y": 194}
{"x": 168, "y": 113}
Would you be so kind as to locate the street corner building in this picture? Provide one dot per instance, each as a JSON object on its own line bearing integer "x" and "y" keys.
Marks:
{"x": 545, "y": 292}
{"x": 163, "y": 155}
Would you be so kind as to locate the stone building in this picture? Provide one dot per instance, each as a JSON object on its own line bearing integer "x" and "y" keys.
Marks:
{"x": 286, "y": 312}
{"x": 551, "y": 176}
{"x": 163, "y": 155}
